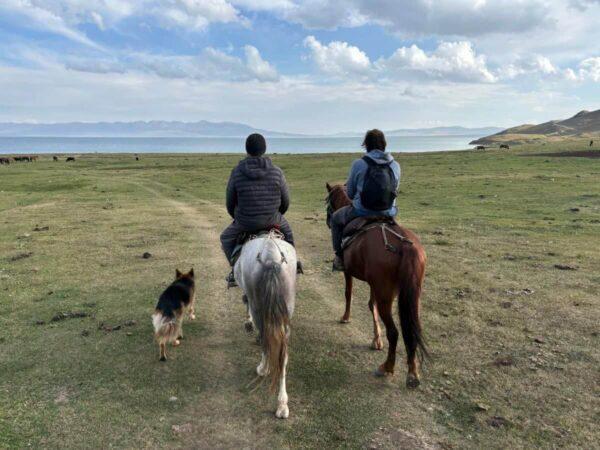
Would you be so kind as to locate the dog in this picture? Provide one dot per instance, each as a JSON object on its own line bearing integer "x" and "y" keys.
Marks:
{"x": 167, "y": 319}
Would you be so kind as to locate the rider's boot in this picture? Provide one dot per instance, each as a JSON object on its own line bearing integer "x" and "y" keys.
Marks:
{"x": 338, "y": 264}
{"x": 231, "y": 280}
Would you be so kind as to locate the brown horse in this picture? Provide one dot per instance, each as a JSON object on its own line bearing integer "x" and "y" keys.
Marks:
{"x": 393, "y": 267}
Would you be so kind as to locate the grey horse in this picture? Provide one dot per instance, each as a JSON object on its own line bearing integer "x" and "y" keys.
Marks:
{"x": 266, "y": 273}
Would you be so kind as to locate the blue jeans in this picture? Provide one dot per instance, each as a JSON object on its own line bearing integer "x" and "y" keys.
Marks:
{"x": 339, "y": 220}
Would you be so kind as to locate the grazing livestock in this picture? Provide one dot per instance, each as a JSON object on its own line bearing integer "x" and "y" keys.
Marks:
{"x": 33, "y": 158}
{"x": 504, "y": 146}
{"x": 137, "y": 158}
{"x": 591, "y": 143}
{"x": 55, "y": 158}
{"x": 4, "y": 160}
{"x": 70, "y": 158}
{"x": 22, "y": 158}
{"x": 480, "y": 147}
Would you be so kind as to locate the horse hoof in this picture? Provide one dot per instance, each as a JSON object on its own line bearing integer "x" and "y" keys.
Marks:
{"x": 282, "y": 412}
{"x": 412, "y": 381}
{"x": 163, "y": 358}
{"x": 345, "y": 320}
{"x": 379, "y": 372}
{"x": 249, "y": 327}
{"x": 377, "y": 345}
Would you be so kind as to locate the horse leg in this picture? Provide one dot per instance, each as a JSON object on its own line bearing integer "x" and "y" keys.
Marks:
{"x": 263, "y": 368}
{"x": 408, "y": 308}
{"x": 377, "y": 343}
{"x": 346, "y": 317}
{"x": 283, "y": 411}
{"x": 384, "y": 305}
{"x": 248, "y": 324}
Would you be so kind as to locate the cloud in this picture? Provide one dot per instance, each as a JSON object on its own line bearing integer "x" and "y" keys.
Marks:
{"x": 338, "y": 58}
{"x": 419, "y": 17}
{"x": 452, "y": 61}
{"x": 210, "y": 64}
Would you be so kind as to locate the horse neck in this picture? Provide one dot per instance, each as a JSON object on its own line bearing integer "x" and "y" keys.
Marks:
{"x": 340, "y": 199}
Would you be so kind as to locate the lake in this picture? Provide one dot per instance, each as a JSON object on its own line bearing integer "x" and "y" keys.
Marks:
{"x": 222, "y": 145}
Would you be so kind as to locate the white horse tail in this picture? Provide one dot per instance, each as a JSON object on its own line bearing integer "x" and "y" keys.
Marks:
{"x": 273, "y": 317}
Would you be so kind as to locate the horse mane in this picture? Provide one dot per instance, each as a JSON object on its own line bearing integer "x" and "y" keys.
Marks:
{"x": 338, "y": 196}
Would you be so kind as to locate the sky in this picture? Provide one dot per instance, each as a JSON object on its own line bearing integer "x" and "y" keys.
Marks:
{"x": 303, "y": 66}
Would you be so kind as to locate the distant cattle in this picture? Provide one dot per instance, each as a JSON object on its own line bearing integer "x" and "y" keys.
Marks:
{"x": 33, "y": 158}
{"x": 70, "y": 158}
{"x": 4, "y": 160}
{"x": 23, "y": 158}
{"x": 591, "y": 143}
{"x": 504, "y": 146}
{"x": 55, "y": 158}
{"x": 480, "y": 147}
{"x": 137, "y": 158}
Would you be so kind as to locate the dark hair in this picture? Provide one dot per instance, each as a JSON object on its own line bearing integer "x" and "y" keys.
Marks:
{"x": 374, "y": 140}
{"x": 256, "y": 145}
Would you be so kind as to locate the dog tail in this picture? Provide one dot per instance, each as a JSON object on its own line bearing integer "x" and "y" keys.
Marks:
{"x": 165, "y": 328}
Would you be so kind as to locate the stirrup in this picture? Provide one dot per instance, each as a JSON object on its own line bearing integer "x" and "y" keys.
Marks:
{"x": 231, "y": 280}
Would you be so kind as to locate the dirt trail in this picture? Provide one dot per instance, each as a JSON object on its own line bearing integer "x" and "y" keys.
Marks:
{"x": 213, "y": 423}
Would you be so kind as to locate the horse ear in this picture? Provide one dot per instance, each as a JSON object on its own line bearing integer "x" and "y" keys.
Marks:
{"x": 328, "y": 186}
{"x": 191, "y": 272}
{"x": 178, "y": 273}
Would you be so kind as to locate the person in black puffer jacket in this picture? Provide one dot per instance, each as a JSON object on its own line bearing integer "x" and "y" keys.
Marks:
{"x": 257, "y": 198}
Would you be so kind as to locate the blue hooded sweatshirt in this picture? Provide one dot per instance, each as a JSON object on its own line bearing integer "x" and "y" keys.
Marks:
{"x": 355, "y": 182}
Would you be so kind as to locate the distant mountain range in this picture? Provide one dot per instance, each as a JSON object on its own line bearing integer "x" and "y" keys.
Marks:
{"x": 582, "y": 124}
{"x": 202, "y": 128}
{"x": 155, "y": 128}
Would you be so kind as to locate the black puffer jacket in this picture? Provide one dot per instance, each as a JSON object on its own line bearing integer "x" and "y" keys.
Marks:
{"x": 257, "y": 193}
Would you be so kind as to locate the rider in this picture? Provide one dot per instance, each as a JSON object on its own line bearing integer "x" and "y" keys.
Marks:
{"x": 372, "y": 185}
{"x": 257, "y": 199}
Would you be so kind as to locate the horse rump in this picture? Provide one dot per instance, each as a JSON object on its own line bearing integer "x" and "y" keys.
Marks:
{"x": 273, "y": 319}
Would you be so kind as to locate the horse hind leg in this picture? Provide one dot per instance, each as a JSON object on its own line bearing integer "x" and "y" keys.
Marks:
{"x": 385, "y": 310}
{"x": 283, "y": 411}
{"x": 348, "y": 293}
{"x": 248, "y": 323}
{"x": 377, "y": 343}
{"x": 408, "y": 308}
{"x": 262, "y": 369}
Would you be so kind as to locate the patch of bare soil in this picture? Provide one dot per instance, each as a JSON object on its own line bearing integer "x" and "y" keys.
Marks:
{"x": 400, "y": 440}
{"x": 577, "y": 154}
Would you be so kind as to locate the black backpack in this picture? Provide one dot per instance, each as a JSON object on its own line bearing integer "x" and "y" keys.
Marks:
{"x": 379, "y": 187}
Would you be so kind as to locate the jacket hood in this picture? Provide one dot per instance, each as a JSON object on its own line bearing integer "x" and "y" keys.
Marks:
{"x": 255, "y": 167}
{"x": 380, "y": 157}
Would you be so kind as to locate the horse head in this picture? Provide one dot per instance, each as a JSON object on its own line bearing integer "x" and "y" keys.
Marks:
{"x": 336, "y": 199}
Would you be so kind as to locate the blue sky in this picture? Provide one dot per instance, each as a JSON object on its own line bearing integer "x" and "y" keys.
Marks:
{"x": 310, "y": 66}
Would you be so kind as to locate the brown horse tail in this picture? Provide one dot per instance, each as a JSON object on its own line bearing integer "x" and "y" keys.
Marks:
{"x": 408, "y": 309}
{"x": 273, "y": 318}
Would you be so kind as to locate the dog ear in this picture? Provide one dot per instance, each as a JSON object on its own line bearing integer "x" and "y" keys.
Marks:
{"x": 191, "y": 272}
{"x": 328, "y": 186}
{"x": 178, "y": 274}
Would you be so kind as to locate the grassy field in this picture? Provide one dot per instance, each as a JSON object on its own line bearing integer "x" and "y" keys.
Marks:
{"x": 511, "y": 308}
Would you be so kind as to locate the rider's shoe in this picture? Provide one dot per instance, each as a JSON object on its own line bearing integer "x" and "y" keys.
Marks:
{"x": 338, "y": 264}
{"x": 231, "y": 280}
{"x": 299, "y": 267}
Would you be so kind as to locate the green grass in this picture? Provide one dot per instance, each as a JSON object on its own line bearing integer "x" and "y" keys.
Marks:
{"x": 491, "y": 222}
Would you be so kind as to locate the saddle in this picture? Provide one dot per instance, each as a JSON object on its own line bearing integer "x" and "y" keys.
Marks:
{"x": 248, "y": 236}
{"x": 358, "y": 226}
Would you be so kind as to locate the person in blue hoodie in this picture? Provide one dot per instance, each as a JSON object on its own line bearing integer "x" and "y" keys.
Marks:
{"x": 375, "y": 144}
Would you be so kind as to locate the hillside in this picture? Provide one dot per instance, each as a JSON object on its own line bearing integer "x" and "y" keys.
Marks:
{"x": 582, "y": 124}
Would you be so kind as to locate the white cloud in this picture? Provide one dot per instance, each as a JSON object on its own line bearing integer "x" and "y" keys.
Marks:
{"x": 589, "y": 69}
{"x": 454, "y": 61}
{"x": 338, "y": 58}
{"x": 210, "y": 64}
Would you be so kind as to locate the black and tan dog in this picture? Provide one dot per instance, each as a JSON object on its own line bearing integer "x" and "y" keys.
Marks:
{"x": 167, "y": 319}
